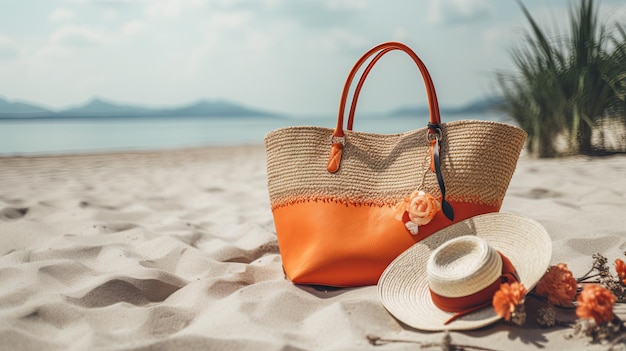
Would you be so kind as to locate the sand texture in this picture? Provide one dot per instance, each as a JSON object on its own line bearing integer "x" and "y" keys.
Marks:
{"x": 176, "y": 250}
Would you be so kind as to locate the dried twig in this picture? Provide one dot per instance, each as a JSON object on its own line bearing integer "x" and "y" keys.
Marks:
{"x": 445, "y": 345}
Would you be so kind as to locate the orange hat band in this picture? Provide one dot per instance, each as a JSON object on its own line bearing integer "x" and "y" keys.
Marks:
{"x": 467, "y": 304}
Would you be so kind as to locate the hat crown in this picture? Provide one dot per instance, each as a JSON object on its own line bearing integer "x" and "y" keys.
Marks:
{"x": 463, "y": 266}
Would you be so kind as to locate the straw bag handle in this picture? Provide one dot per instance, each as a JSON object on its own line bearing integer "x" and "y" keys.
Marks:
{"x": 381, "y": 50}
{"x": 338, "y": 137}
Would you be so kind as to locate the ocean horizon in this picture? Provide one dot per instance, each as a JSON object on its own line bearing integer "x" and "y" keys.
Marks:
{"x": 53, "y": 136}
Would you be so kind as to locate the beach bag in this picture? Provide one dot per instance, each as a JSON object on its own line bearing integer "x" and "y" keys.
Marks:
{"x": 346, "y": 203}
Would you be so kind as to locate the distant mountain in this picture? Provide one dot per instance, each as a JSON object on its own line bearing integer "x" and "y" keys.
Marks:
{"x": 20, "y": 109}
{"x": 214, "y": 108}
{"x": 100, "y": 108}
{"x": 475, "y": 107}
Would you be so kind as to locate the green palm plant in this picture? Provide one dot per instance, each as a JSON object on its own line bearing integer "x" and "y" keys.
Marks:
{"x": 590, "y": 74}
{"x": 618, "y": 73}
{"x": 535, "y": 96}
{"x": 564, "y": 87}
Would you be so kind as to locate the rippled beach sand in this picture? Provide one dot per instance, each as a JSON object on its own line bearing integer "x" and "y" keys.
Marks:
{"x": 177, "y": 250}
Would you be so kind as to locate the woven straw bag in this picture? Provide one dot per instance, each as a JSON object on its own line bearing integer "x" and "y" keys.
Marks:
{"x": 346, "y": 203}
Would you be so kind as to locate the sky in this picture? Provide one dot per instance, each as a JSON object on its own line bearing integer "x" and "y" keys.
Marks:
{"x": 287, "y": 56}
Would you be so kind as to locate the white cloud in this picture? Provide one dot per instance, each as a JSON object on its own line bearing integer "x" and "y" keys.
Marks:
{"x": 110, "y": 13}
{"x": 228, "y": 20}
{"x": 60, "y": 15}
{"x": 134, "y": 27}
{"x": 227, "y": 38}
{"x": 78, "y": 36}
{"x": 459, "y": 11}
{"x": 496, "y": 38}
{"x": 172, "y": 8}
{"x": 347, "y": 4}
{"x": 312, "y": 13}
{"x": 337, "y": 40}
{"x": 8, "y": 48}
{"x": 400, "y": 34}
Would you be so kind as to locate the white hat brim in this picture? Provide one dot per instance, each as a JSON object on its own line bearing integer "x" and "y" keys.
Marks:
{"x": 403, "y": 287}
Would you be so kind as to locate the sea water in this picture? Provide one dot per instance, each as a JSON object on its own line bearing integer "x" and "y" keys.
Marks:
{"x": 80, "y": 135}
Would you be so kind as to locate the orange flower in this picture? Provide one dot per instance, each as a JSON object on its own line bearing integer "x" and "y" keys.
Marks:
{"x": 558, "y": 284}
{"x": 423, "y": 207}
{"x": 595, "y": 302}
{"x": 507, "y": 298}
{"x": 620, "y": 268}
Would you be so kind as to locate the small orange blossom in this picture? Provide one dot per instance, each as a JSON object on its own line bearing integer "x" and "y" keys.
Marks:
{"x": 558, "y": 284}
{"x": 595, "y": 302}
{"x": 506, "y": 299}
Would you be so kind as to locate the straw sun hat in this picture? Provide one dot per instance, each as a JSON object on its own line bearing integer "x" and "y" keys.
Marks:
{"x": 463, "y": 259}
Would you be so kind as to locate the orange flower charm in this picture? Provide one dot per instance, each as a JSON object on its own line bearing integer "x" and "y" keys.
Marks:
{"x": 418, "y": 209}
{"x": 507, "y": 298}
{"x": 558, "y": 284}
{"x": 595, "y": 302}
{"x": 620, "y": 268}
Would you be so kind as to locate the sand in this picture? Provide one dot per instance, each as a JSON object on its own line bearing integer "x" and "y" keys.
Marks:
{"x": 176, "y": 250}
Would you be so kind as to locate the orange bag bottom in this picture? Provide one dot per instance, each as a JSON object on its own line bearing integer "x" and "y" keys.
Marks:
{"x": 335, "y": 244}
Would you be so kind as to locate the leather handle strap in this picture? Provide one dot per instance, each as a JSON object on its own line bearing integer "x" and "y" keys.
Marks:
{"x": 379, "y": 51}
{"x": 338, "y": 138}
{"x": 359, "y": 86}
{"x": 435, "y": 155}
